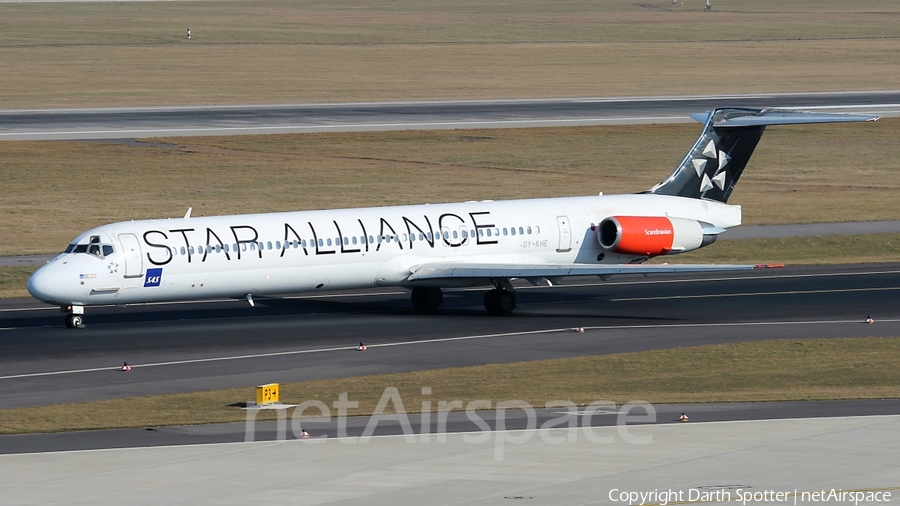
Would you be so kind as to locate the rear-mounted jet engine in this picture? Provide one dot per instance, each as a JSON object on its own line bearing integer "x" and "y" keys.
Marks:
{"x": 654, "y": 235}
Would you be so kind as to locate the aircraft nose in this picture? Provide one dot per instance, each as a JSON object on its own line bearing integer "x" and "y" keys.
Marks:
{"x": 43, "y": 283}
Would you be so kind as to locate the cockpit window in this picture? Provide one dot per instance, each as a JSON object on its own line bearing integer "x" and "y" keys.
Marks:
{"x": 94, "y": 248}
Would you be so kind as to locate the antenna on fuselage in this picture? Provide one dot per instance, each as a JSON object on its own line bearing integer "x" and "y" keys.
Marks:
{"x": 188, "y": 213}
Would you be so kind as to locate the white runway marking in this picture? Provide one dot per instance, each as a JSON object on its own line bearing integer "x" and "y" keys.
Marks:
{"x": 152, "y": 132}
{"x": 755, "y": 294}
{"x": 437, "y": 341}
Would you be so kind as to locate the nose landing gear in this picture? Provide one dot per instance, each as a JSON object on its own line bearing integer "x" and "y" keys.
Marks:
{"x": 75, "y": 318}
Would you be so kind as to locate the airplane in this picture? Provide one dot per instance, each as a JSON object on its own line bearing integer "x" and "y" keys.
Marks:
{"x": 424, "y": 248}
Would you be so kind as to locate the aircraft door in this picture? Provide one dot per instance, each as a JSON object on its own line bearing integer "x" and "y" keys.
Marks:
{"x": 565, "y": 234}
{"x": 134, "y": 261}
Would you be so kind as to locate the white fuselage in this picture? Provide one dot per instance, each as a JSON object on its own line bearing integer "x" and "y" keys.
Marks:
{"x": 233, "y": 256}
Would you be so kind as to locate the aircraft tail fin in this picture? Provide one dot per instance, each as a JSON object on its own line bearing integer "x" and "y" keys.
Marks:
{"x": 715, "y": 162}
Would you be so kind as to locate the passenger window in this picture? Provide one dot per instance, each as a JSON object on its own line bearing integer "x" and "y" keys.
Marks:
{"x": 529, "y": 230}
{"x": 504, "y": 231}
{"x": 521, "y": 231}
{"x": 512, "y": 230}
{"x": 252, "y": 246}
{"x": 226, "y": 248}
{"x": 404, "y": 237}
{"x": 191, "y": 250}
{"x": 379, "y": 239}
{"x": 329, "y": 241}
{"x": 108, "y": 250}
{"x": 537, "y": 229}
{"x": 371, "y": 239}
{"x": 488, "y": 232}
{"x": 412, "y": 237}
{"x": 218, "y": 248}
{"x": 294, "y": 242}
{"x": 354, "y": 240}
{"x": 269, "y": 245}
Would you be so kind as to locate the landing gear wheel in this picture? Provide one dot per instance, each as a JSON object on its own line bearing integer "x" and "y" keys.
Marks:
{"x": 426, "y": 298}
{"x": 499, "y": 301}
{"x": 74, "y": 321}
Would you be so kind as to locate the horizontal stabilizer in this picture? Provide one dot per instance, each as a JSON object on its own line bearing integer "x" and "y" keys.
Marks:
{"x": 767, "y": 117}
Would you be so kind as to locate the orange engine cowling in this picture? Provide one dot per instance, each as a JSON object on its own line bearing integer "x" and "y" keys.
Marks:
{"x": 650, "y": 235}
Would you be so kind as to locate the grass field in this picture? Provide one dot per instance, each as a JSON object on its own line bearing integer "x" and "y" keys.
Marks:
{"x": 136, "y": 53}
{"x": 53, "y": 190}
{"x": 761, "y": 371}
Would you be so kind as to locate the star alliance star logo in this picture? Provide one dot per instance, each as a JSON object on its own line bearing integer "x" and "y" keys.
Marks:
{"x": 711, "y": 153}
{"x": 113, "y": 267}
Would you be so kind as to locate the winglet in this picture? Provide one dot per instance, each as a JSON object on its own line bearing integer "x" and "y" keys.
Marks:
{"x": 188, "y": 213}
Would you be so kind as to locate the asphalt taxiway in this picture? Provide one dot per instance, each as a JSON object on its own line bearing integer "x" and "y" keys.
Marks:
{"x": 220, "y": 344}
{"x": 57, "y": 124}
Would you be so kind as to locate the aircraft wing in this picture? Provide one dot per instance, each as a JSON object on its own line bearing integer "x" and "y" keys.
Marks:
{"x": 481, "y": 271}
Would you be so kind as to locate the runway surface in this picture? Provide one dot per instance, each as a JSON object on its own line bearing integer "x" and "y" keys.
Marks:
{"x": 292, "y": 118}
{"x": 221, "y": 344}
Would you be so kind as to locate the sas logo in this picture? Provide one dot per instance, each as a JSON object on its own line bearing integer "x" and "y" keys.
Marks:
{"x": 154, "y": 276}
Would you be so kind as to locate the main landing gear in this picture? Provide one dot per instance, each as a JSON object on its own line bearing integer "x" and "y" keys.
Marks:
{"x": 498, "y": 301}
{"x": 427, "y": 298}
{"x": 75, "y": 318}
